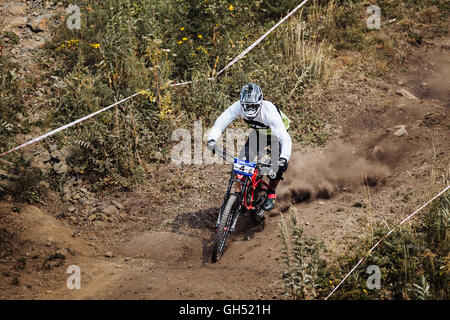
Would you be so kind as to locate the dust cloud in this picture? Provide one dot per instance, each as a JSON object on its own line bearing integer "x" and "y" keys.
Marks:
{"x": 322, "y": 174}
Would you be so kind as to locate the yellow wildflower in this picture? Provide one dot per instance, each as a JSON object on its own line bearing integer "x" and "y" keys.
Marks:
{"x": 365, "y": 291}
{"x": 95, "y": 45}
{"x": 231, "y": 7}
{"x": 200, "y": 36}
{"x": 182, "y": 28}
{"x": 180, "y": 42}
{"x": 184, "y": 39}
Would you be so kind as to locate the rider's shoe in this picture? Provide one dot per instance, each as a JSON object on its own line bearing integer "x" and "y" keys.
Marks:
{"x": 270, "y": 201}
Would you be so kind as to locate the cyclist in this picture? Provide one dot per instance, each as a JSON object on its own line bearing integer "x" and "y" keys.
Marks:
{"x": 269, "y": 129}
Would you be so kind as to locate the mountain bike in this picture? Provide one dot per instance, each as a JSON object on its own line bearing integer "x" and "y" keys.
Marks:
{"x": 250, "y": 198}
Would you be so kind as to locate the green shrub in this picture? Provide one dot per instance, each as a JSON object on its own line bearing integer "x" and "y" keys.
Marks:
{"x": 303, "y": 265}
{"x": 414, "y": 261}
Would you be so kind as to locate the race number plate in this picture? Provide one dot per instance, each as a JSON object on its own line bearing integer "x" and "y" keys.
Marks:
{"x": 244, "y": 167}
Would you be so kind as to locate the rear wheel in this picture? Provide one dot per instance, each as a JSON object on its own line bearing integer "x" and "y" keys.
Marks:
{"x": 224, "y": 228}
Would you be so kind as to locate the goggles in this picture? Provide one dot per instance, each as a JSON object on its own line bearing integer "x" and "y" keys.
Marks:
{"x": 251, "y": 107}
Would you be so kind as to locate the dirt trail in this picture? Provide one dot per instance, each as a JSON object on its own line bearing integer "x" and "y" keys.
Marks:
{"x": 174, "y": 262}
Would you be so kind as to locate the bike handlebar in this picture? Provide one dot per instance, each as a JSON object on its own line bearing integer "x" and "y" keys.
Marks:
{"x": 224, "y": 153}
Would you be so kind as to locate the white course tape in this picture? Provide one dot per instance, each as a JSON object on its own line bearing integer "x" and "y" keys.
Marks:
{"x": 172, "y": 85}
{"x": 187, "y": 82}
{"x": 382, "y": 239}
{"x": 262, "y": 38}
{"x": 67, "y": 125}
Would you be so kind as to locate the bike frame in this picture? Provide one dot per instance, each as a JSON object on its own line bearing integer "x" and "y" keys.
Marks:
{"x": 249, "y": 186}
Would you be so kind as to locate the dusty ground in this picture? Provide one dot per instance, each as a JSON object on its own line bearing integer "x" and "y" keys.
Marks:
{"x": 164, "y": 251}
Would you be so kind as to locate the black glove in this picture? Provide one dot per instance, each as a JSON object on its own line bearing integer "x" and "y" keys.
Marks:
{"x": 211, "y": 145}
{"x": 282, "y": 164}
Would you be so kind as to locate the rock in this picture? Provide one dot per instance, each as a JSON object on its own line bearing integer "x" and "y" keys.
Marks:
{"x": 71, "y": 209}
{"x": 3, "y": 174}
{"x": 108, "y": 254}
{"x": 98, "y": 223}
{"x": 16, "y": 22}
{"x": 57, "y": 155}
{"x": 40, "y": 23}
{"x": 158, "y": 155}
{"x": 405, "y": 93}
{"x": 401, "y": 130}
{"x": 31, "y": 45}
{"x": 16, "y": 9}
{"x": 123, "y": 216}
{"x": 53, "y": 147}
{"x": 60, "y": 168}
{"x": 110, "y": 210}
{"x": 83, "y": 190}
{"x": 92, "y": 217}
{"x": 76, "y": 197}
{"x": 45, "y": 156}
{"x": 117, "y": 204}
{"x": 400, "y": 82}
{"x": 38, "y": 163}
{"x": 91, "y": 210}
{"x": 7, "y": 197}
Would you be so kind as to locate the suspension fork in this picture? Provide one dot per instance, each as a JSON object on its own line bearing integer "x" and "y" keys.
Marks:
{"x": 239, "y": 204}
{"x": 239, "y": 195}
{"x": 225, "y": 199}
{"x": 227, "y": 196}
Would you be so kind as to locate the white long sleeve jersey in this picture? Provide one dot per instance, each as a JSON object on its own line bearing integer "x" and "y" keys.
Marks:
{"x": 267, "y": 116}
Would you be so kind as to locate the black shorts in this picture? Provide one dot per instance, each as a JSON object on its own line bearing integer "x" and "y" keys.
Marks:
{"x": 257, "y": 146}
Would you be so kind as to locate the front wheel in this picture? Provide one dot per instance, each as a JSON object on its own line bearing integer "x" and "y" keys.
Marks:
{"x": 224, "y": 228}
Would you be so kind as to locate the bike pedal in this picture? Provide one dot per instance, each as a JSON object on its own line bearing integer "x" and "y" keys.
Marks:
{"x": 261, "y": 213}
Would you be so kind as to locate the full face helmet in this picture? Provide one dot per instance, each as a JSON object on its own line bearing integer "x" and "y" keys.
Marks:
{"x": 251, "y": 99}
